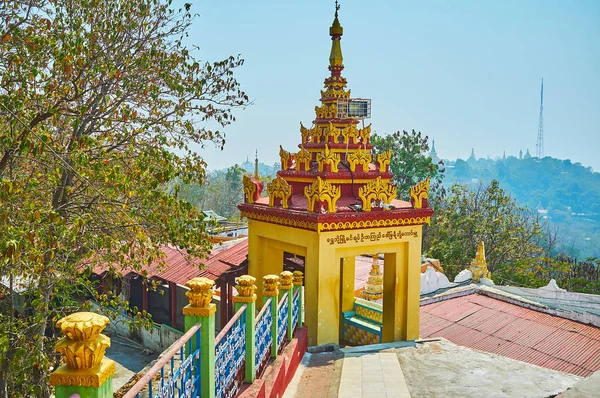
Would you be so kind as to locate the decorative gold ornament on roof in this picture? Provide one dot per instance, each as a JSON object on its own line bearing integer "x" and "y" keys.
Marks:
{"x": 331, "y": 131}
{"x": 249, "y": 188}
{"x": 361, "y": 157}
{"x": 383, "y": 160}
{"x": 350, "y": 132}
{"x": 246, "y": 289}
{"x": 270, "y": 285}
{"x": 365, "y": 135}
{"x": 330, "y": 158}
{"x": 334, "y": 93}
{"x": 322, "y": 191}
{"x": 278, "y": 188}
{"x": 286, "y": 158}
{"x": 303, "y": 158}
{"x": 377, "y": 189}
{"x": 419, "y": 194}
{"x": 307, "y": 134}
{"x": 326, "y": 111}
{"x": 336, "y": 31}
{"x": 478, "y": 266}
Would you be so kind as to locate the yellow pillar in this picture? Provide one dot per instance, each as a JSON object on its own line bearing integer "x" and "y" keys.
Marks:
{"x": 413, "y": 294}
{"x": 394, "y": 294}
{"x": 322, "y": 295}
{"x": 401, "y": 292}
{"x": 348, "y": 272}
{"x": 255, "y": 256}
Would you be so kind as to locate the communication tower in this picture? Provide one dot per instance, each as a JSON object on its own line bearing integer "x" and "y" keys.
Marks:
{"x": 539, "y": 150}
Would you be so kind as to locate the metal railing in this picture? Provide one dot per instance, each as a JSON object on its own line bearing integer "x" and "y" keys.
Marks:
{"x": 295, "y": 309}
{"x": 263, "y": 340}
{"x": 230, "y": 354}
{"x": 282, "y": 322}
{"x": 174, "y": 374}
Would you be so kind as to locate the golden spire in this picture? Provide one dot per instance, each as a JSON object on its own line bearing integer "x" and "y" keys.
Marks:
{"x": 256, "y": 176}
{"x": 479, "y": 264}
{"x": 336, "y": 31}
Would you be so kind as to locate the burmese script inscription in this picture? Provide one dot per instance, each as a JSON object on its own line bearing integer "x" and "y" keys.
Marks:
{"x": 343, "y": 239}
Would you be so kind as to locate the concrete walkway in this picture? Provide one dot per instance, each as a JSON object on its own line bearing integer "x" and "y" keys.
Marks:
{"x": 372, "y": 374}
{"x": 433, "y": 369}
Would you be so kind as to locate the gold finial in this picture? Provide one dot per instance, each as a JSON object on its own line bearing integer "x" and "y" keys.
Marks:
{"x": 286, "y": 278}
{"x": 200, "y": 297}
{"x": 419, "y": 194}
{"x": 245, "y": 288}
{"x": 298, "y": 278}
{"x": 479, "y": 264}
{"x": 336, "y": 31}
{"x": 82, "y": 349}
{"x": 82, "y": 329}
{"x": 270, "y": 285}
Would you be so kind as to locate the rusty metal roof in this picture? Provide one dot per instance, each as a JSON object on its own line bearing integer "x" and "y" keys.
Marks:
{"x": 177, "y": 269}
{"x": 487, "y": 324}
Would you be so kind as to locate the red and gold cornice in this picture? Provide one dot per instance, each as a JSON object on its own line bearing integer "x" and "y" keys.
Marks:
{"x": 336, "y": 221}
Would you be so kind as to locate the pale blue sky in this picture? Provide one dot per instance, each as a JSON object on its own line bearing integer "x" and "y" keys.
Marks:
{"x": 466, "y": 73}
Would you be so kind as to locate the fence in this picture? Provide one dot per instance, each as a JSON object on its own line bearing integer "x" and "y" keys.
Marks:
{"x": 182, "y": 371}
{"x": 199, "y": 363}
{"x": 264, "y": 340}
{"x": 282, "y": 324}
{"x": 230, "y": 355}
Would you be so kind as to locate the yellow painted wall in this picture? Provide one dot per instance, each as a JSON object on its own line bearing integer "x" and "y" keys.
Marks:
{"x": 329, "y": 281}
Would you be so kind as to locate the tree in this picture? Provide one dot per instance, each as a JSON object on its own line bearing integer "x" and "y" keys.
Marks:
{"x": 99, "y": 103}
{"x": 410, "y": 162}
{"x": 486, "y": 213}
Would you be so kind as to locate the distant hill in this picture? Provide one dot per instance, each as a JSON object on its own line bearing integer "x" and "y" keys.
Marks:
{"x": 263, "y": 169}
{"x": 569, "y": 192}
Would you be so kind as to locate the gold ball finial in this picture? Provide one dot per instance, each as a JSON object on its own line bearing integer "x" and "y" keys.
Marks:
{"x": 336, "y": 29}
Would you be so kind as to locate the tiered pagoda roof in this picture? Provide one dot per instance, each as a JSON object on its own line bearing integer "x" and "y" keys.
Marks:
{"x": 335, "y": 181}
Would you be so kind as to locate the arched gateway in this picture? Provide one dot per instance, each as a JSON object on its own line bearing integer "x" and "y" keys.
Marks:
{"x": 331, "y": 201}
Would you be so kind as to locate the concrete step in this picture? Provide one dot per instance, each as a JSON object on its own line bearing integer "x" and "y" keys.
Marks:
{"x": 372, "y": 374}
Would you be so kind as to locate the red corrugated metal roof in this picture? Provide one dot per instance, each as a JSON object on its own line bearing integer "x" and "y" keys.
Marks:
{"x": 487, "y": 324}
{"x": 177, "y": 269}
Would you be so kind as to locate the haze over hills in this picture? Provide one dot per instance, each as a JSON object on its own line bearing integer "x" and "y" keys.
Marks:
{"x": 564, "y": 193}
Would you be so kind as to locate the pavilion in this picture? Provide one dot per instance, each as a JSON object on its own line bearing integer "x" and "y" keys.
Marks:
{"x": 333, "y": 200}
